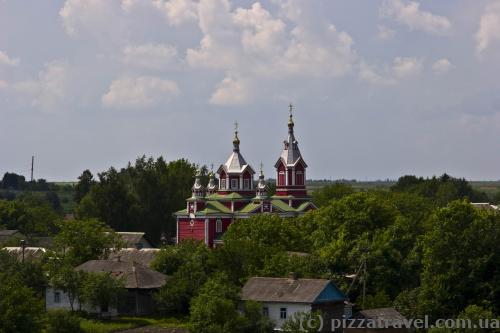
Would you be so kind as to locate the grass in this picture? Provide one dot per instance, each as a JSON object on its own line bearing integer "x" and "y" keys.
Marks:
{"x": 124, "y": 323}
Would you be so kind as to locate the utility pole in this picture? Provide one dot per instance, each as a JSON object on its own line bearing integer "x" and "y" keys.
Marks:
{"x": 32, "y": 166}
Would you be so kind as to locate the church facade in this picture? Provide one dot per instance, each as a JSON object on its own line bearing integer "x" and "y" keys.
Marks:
{"x": 234, "y": 194}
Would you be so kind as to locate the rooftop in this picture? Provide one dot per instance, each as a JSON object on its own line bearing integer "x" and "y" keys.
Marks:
{"x": 287, "y": 290}
{"x": 135, "y": 275}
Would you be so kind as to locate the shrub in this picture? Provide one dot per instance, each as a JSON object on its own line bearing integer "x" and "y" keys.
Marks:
{"x": 63, "y": 321}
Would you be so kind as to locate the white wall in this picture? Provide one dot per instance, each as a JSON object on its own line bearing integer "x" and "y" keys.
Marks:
{"x": 64, "y": 300}
{"x": 65, "y": 304}
{"x": 274, "y": 310}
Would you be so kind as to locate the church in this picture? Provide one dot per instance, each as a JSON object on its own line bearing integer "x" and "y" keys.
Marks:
{"x": 234, "y": 194}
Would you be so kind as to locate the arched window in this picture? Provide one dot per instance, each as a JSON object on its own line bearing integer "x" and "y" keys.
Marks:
{"x": 299, "y": 178}
{"x": 218, "y": 226}
{"x": 281, "y": 178}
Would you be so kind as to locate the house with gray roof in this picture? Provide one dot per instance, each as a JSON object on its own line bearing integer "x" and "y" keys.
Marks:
{"x": 282, "y": 298}
{"x": 140, "y": 281}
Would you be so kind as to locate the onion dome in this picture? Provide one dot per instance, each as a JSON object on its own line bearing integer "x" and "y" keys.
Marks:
{"x": 198, "y": 190}
{"x": 212, "y": 186}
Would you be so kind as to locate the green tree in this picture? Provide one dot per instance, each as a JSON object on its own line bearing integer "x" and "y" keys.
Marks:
{"x": 64, "y": 277}
{"x": 322, "y": 196}
{"x": 461, "y": 260}
{"x": 215, "y": 310}
{"x": 85, "y": 183}
{"x": 20, "y": 310}
{"x": 81, "y": 240}
{"x": 140, "y": 197}
{"x": 101, "y": 290}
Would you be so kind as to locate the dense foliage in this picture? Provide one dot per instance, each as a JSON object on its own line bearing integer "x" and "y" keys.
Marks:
{"x": 140, "y": 197}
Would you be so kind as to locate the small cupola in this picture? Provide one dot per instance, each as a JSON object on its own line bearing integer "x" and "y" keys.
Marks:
{"x": 198, "y": 190}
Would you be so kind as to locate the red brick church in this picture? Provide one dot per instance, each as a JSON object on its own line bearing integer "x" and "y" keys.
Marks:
{"x": 234, "y": 195}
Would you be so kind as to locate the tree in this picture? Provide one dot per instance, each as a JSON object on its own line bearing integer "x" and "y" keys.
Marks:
{"x": 324, "y": 195}
{"x": 461, "y": 260}
{"x": 20, "y": 310}
{"x": 81, "y": 240}
{"x": 101, "y": 290}
{"x": 214, "y": 310}
{"x": 85, "y": 183}
{"x": 29, "y": 215}
{"x": 140, "y": 197}
{"x": 64, "y": 277}
{"x": 13, "y": 181}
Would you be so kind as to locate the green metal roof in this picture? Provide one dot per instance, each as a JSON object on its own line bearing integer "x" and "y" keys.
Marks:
{"x": 231, "y": 196}
{"x": 249, "y": 208}
{"x": 283, "y": 206}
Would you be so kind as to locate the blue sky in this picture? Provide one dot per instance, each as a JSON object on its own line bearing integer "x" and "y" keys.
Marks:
{"x": 380, "y": 88}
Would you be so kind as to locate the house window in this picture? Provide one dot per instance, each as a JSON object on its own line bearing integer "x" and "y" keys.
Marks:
{"x": 246, "y": 183}
{"x": 265, "y": 311}
{"x": 57, "y": 297}
{"x": 282, "y": 313}
{"x": 223, "y": 184}
{"x": 218, "y": 226}
{"x": 234, "y": 183}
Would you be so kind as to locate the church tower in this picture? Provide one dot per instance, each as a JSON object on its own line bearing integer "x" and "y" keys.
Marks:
{"x": 236, "y": 175}
{"x": 291, "y": 170}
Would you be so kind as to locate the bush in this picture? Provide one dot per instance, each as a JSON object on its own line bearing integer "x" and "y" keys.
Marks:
{"x": 63, "y": 321}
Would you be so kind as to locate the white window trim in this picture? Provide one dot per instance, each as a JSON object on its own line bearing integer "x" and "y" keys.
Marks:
{"x": 218, "y": 226}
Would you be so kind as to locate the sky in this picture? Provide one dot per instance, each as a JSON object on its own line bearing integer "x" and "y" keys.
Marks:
{"x": 380, "y": 88}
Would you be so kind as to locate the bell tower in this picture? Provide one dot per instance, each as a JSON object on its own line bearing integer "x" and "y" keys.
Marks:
{"x": 291, "y": 169}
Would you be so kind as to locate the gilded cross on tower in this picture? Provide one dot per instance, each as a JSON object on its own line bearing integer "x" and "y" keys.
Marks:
{"x": 236, "y": 126}
{"x": 291, "y": 108}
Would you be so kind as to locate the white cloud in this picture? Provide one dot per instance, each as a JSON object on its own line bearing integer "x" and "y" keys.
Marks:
{"x": 140, "y": 92}
{"x": 50, "y": 89}
{"x": 489, "y": 27}
{"x": 177, "y": 11}
{"x": 253, "y": 44}
{"x": 231, "y": 91}
{"x": 410, "y": 14}
{"x": 385, "y": 33}
{"x": 442, "y": 66}
{"x": 8, "y": 61}
{"x": 368, "y": 74}
{"x": 151, "y": 56}
{"x": 262, "y": 34}
{"x": 102, "y": 21}
{"x": 406, "y": 67}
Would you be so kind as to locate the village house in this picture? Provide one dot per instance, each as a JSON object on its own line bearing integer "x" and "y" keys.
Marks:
{"x": 141, "y": 283}
{"x": 282, "y": 298}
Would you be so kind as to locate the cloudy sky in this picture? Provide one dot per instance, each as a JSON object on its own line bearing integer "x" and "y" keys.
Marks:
{"x": 381, "y": 88}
